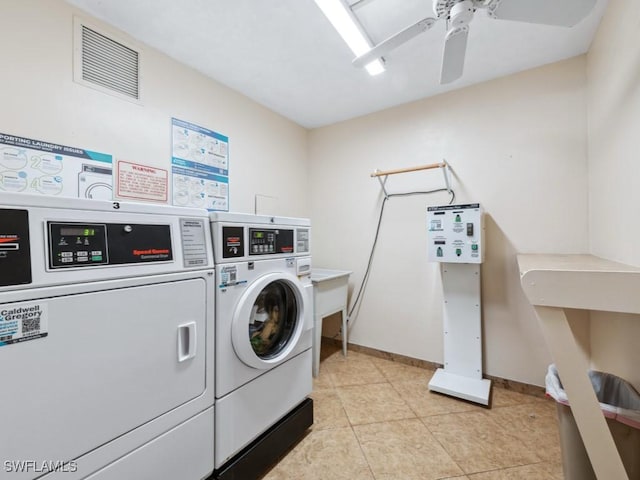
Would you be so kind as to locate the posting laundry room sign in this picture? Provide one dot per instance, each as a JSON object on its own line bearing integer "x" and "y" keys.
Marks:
{"x": 200, "y": 166}
{"x": 40, "y": 167}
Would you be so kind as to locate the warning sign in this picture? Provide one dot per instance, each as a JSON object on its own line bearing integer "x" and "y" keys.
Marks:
{"x": 142, "y": 182}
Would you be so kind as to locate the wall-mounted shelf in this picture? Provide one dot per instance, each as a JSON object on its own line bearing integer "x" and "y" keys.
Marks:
{"x": 555, "y": 282}
{"x": 382, "y": 175}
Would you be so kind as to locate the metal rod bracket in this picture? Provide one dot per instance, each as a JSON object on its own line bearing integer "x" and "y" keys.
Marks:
{"x": 380, "y": 174}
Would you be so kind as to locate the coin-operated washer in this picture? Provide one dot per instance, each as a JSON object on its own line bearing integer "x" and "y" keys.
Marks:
{"x": 264, "y": 331}
{"x": 455, "y": 239}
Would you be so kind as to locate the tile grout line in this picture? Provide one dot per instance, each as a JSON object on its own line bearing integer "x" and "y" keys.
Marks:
{"x": 415, "y": 417}
{"x": 364, "y": 454}
{"x": 394, "y": 388}
{"x": 465, "y": 474}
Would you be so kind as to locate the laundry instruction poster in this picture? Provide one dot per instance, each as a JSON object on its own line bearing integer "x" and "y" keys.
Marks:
{"x": 199, "y": 167}
{"x": 39, "y": 167}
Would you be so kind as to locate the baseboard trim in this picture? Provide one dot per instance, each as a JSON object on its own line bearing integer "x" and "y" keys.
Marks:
{"x": 499, "y": 382}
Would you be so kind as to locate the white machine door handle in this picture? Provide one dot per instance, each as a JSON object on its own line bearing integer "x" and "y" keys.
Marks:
{"x": 186, "y": 341}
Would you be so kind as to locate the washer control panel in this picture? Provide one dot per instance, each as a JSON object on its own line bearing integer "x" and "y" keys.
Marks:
{"x": 75, "y": 244}
{"x": 266, "y": 241}
{"x": 94, "y": 244}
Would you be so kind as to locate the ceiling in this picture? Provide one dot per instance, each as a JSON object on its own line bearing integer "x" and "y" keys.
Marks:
{"x": 285, "y": 55}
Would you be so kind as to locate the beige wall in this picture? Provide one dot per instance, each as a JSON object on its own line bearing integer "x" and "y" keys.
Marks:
{"x": 517, "y": 145}
{"x": 38, "y": 98}
{"x": 613, "y": 70}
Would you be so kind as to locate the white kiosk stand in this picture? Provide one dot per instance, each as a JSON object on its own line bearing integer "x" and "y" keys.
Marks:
{"x": 455, "y": 239}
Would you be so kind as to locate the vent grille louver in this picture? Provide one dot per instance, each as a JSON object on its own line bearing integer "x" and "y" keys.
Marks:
{"x": 110, "y": 64}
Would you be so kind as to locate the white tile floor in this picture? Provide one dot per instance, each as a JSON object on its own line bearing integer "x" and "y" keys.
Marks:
{"x": 375, "y": 419}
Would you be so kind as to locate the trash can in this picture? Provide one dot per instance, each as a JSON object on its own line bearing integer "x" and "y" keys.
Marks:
{"x": 620, "y": 404}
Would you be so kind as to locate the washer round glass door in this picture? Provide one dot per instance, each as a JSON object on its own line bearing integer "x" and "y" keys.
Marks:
{"x": 267, "y": 323}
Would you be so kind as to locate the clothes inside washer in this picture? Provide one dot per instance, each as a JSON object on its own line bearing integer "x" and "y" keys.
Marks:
{"x": 272, "y": 319}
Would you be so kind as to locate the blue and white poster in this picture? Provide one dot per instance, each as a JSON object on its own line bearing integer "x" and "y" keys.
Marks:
{"x": 200, "y": 166}
{"x": 39, "y": 167}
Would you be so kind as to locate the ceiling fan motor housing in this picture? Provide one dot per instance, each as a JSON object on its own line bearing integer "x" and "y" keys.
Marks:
{"x": 461, "y": 13}
{"x": 458, "y": 12}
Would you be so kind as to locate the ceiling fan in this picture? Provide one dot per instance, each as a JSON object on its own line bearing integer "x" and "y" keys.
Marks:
{"x": 459, "y": 13}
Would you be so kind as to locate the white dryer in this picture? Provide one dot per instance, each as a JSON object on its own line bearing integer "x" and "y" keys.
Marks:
{"x": 264, "y": 322}
{"x": 106, "y": 340}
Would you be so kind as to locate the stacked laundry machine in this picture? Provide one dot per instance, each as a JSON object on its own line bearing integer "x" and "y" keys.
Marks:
{"x": 264, "y": 323}
{"x": 106, "y": 340}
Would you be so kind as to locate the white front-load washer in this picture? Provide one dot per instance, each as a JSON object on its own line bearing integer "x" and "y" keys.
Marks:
{"x": 264, "y": 322}
{"x": 106, "y": 340}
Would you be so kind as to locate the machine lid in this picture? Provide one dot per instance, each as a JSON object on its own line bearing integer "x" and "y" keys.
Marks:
{"x": 247, "y": 219}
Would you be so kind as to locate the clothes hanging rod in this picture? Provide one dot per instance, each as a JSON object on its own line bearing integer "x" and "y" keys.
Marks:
{"x": 378, "y": 173}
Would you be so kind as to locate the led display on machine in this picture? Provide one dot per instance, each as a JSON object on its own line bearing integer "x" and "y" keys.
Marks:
{"x": 78, "y": 232}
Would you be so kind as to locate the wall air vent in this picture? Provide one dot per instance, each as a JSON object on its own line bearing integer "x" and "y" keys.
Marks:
{"x": 106, "y": 64}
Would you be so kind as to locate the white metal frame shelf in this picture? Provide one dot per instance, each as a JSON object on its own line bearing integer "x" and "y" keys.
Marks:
{"x": 555, "y": 282}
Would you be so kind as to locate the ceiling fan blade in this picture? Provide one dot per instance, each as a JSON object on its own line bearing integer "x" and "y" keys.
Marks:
{"x": 455, "y": 48}
{"x": 394, "y": 41}
{"x": 564, "y": 13}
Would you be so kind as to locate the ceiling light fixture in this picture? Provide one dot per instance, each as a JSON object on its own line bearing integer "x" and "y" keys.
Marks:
{"x": 344, "y": 21}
